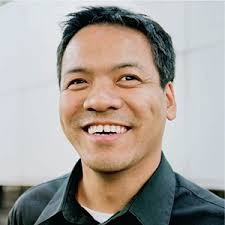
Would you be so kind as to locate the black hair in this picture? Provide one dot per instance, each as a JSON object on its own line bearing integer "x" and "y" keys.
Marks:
{"x": 160, "y": 41}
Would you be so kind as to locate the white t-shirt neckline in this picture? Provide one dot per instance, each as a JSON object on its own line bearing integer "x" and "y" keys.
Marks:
{"x": 98, "y": 216}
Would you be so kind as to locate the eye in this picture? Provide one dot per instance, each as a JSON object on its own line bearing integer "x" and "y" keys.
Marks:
{"x": 129, "y": 81}
{"x": 129, "y": 77}
{"x": 77, "y": 84}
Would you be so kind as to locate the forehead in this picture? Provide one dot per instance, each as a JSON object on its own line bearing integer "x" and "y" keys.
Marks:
{"x": 102, "y": 45}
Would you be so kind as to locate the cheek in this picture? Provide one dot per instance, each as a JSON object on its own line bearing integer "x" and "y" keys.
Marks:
{"x": 69, "y": 104}
{"x": 145, "y": 102}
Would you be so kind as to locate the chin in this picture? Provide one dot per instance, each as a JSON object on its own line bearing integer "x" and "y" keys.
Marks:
{"x": 107, "y": 165}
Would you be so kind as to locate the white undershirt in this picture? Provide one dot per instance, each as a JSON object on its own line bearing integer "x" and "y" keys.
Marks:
{"x": 98, "y": 216}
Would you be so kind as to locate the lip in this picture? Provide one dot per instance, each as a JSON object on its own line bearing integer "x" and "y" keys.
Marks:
{"x": 104, "y": 138}
{"x": 95, "y": 123}
{"x": 105, "y": 123}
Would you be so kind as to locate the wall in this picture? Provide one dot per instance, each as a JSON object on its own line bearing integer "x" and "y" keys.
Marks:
{"x": 33, "y": 147}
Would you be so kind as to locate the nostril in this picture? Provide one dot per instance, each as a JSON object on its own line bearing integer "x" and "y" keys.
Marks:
{"x": 91, "y": 109}
{"x": 101, "y": 109}
{"x": 101, "y": 102}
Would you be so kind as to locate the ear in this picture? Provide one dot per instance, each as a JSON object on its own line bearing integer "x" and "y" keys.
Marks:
{"x": 170, "y": 101}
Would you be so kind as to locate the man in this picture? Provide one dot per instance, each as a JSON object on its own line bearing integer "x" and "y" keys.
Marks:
{"x": 115, "y": 72}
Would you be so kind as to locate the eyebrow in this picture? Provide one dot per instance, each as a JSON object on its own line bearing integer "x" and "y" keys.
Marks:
{"x": 81, "y": 69}
{"x": 78, "y": 70}
{"x": 124, "y": 65}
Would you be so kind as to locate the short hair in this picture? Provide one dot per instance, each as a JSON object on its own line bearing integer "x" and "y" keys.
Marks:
{"x": 160, "y": 41}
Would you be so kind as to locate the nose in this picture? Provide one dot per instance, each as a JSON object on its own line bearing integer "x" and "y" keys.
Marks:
{"x": 102, "y": 98}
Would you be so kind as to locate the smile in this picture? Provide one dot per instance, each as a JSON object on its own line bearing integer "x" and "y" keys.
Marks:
{"x": 106, "y": 133}
{"x": 105, "y": 129}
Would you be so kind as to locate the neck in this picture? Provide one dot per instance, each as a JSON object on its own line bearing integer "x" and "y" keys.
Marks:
{"x": 110, "y": 192}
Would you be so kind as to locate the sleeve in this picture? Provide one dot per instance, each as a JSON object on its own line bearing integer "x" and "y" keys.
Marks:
{"x": 12, "y": 220}
{"x": 17, "y": 214}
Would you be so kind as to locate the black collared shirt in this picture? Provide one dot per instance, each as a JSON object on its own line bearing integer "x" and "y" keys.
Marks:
{"x": 165, "y": 199}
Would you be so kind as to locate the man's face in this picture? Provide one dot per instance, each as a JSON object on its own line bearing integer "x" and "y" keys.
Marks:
{"x": 112, "y": 108}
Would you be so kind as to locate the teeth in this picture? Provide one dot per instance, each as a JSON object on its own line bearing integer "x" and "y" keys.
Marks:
{"x": 107, "y": 129}
{"x": 122, "y": 130}
{"x": 113, "y": 128}
{"x": 117, "y": 129}
{"x": 99, "y": 128}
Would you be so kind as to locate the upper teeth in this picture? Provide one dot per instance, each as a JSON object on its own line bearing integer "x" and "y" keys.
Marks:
{"x": 106, "y": 128}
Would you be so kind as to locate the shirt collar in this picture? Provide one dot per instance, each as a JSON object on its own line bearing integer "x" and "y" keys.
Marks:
{"x": 153, "y": 201}
{"x": 58, "y": 201}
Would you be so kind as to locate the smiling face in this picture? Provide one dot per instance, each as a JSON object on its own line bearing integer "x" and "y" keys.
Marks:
{"x": 112, "y": 108}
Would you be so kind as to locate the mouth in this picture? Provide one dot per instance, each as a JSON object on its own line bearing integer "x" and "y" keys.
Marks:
{"x": 105, "y": 129}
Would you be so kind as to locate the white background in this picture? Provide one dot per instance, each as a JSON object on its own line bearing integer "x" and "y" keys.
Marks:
{"x": 33, "y": 147}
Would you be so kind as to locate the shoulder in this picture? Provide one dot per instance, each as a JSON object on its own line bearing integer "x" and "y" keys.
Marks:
{"x": 195, "y": 204}
{"x": 31, "y": 203}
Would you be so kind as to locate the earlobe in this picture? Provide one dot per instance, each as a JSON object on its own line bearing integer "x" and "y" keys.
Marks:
{"x": 171, "y": 102}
